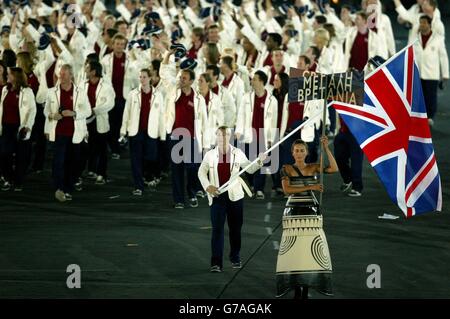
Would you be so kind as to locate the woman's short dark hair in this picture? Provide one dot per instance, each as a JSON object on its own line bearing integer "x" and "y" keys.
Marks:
{"x": 9, "y": 58}
{"x": 97, "y": 67}
{"x": 299, "y": 142}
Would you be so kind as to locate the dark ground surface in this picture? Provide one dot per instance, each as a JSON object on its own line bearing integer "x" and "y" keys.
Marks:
{"x": 170, "y": 250}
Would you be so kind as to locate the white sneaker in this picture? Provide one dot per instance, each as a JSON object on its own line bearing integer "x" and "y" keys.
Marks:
{"x": 200, "y": 194}
{"x": 91, "y": 175}
{"x": 346, "y": 187}
{"x": 153, "y": 183}
{"x": 260, "y": 195}
{"x": 60, "y": 196}
{"x": 100, "y": 180}
{"x": 354, "y": 193}
{"x": 137, "y": 192}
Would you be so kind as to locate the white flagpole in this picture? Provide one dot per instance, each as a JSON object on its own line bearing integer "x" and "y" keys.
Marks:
{"x": 324, "y": 118}
{"x": 224, "y": 187}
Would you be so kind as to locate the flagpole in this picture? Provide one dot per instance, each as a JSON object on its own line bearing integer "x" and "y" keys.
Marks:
{"x": 225, "y": 186}
{"x": 324, "y": 117}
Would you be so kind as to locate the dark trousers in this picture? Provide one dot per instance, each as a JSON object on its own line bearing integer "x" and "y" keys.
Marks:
{"x": 142, "y": 149}
{"x": 14, "y": 155}
{"x": 65, "y": 163}
{"x": 181, "y": 163}
{"x": 98, "y": 156}
{"x": 39, "y": 139}
{"x": 332, "y": 117}
{"x": 115, "y": 122}
{"x": 349, "y": 158}
{"x": 252, "y": 150}
{"x": 430, "y": 88}
{"x": 82, "y": 159}
{"x": 154, "y": 168}
{"x": 223, "y": 208}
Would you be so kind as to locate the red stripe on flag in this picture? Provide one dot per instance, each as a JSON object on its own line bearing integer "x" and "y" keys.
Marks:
{"x": 409, "y": 212}
{"x": 419, "y": 127}
{"x": 420, "y": 178}
{"x": 358, "y": 112}
{"x": 410, "y": 71}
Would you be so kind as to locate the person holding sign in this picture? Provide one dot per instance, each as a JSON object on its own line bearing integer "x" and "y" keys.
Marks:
{"x": 219, "y": 166}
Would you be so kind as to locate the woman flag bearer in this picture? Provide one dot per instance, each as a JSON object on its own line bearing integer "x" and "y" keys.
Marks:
{"x": 141, "y": 121}
{"x": 66, "y": 110}
{"x": 17, "y": 114}
{"x": 218, "y": 166}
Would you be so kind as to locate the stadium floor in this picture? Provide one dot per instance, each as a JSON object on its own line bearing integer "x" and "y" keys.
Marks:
{"x": 131, "y": 247}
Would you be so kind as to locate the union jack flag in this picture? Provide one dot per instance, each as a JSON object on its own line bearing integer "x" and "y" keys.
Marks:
{"x": 392, "y": 130}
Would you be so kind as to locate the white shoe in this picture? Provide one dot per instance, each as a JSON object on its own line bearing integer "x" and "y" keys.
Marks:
{"x": 354, "y": 193}
{"x": 60, "y": 196}
{"x": 100, "y": 180}
{"x": 137, "y": 192}
{"x": 91, "y": 175}
{"x": 260, "y": 195}
{"x": 346, "y": 187}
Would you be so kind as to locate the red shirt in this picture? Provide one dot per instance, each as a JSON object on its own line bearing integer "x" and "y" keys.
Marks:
{"x": 295, "y": 111}
{"x": 92, "y": 92}
{"x": 146, "y": 99}
{"x": 49, "y": 76}
{"x": 226, "y": 82}
{"x": 11, "y": 108}
{"x": 223, "y": 168}
{"x": 118, "y": 74}
{"x": 207, "y": 98}
{"x": 313, "y": 67}
{"x": 258, "y": 112}
{"x": 184, "y": 113}
{"x": 33, "y": 82}
{"x": 193, "y": 51}
{"x": 360, "y": 52}
{"x": 268, "y": 61}
{"x": 215, "y": 90}
{"x": 425, "y": 39}
{"x": 66, "y": 126}
{"x": 273, "y": 73}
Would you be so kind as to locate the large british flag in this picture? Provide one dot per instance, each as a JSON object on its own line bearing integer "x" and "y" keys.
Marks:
{"x": 392, "y": 130}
